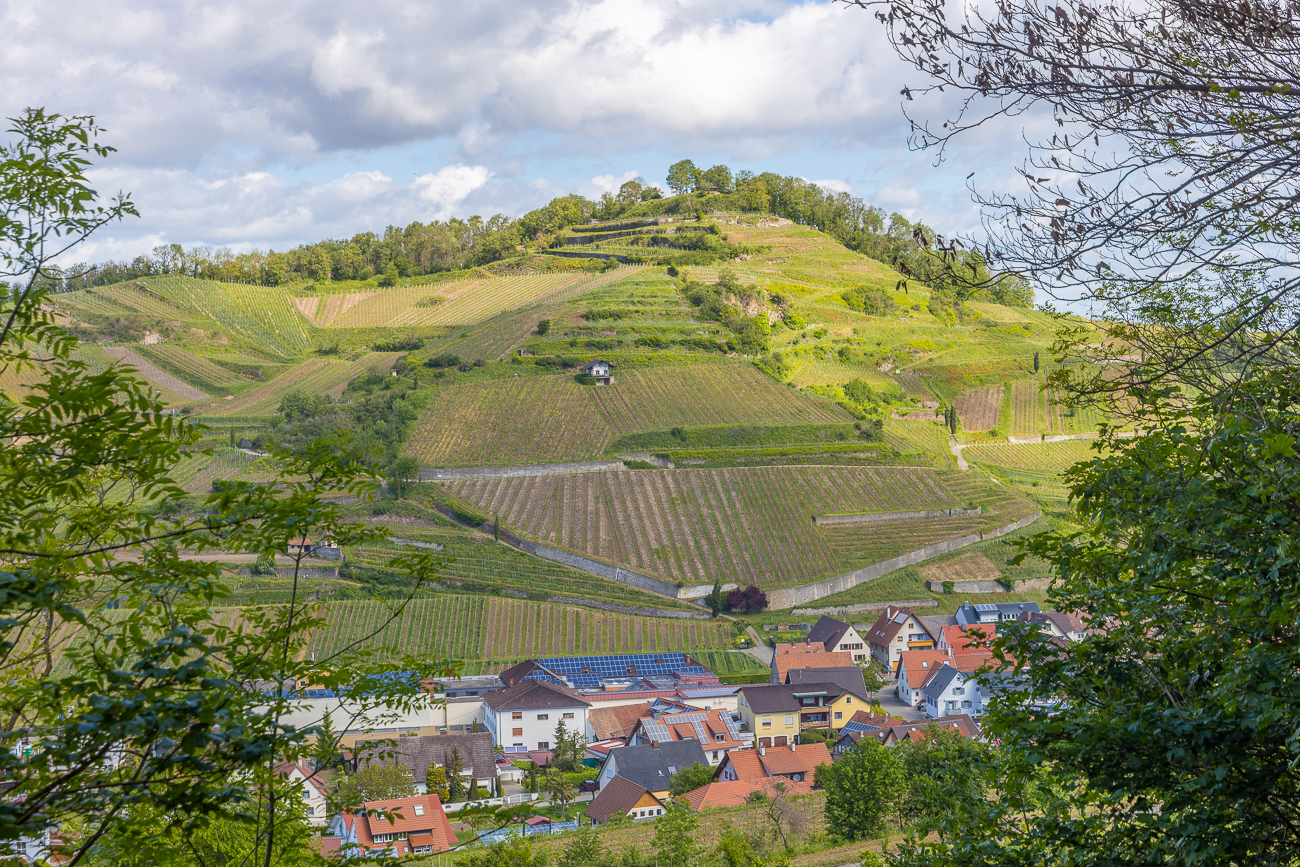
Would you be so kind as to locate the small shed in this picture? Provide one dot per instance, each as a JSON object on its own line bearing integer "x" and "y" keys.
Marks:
{"x": 599, "y": 369}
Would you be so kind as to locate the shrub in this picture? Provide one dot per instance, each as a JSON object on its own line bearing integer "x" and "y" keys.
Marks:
{"x": 746, "y": 601}
{"x": 394, "y": 344}
{"x": 543, "y": 326}
{"x": 446, "y": 359}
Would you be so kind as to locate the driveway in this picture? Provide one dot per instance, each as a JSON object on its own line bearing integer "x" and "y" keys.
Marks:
{"x": 895, "y": 707}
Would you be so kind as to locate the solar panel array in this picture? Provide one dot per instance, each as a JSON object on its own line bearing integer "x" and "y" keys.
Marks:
{"x": 590, "y": 672}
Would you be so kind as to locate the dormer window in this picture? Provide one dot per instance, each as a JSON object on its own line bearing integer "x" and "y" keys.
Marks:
{"x": 419, "y": 809}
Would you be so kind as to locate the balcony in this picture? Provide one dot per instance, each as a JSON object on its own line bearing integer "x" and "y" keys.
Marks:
{"x": 913, "y": 645}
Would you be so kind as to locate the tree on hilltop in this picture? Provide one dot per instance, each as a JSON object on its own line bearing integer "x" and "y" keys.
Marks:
{"x": 681, "y": 176}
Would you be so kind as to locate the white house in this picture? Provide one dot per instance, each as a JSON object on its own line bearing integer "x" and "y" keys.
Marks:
{"x": 914, "y": 670}
{"x": 989, "y": 613}
{"x": 839, "y": 637}
{"x": 523, "y": 717}
{"x": 310, "y": 787}
{"x": 897, "y": 629}
{"x": 599, "y": 369}
{"x": 951, "y": 692}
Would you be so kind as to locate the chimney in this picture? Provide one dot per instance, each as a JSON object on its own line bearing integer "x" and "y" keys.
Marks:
{"x": 792, "y": 749}
{"x": 762, "y": 750}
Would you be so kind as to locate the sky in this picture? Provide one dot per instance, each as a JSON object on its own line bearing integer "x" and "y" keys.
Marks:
{"x": 256, "y": 124}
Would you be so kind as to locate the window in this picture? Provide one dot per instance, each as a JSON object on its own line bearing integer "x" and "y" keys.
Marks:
{"x": 966, "y": 703}
{"x": 848, "y": 699}
{"x": 568, "y": 716}
{"x": 517, "y": 715}
{"x": 517, "y": 732}
{"x": 715, "y": 755}
{"x": 719, "y": 739}
{"x": 839, "y": 714}
{"x": 543, "y": 745}
{"x": 959, "y": 690}
{"x": 419, "y": 809}
{"x": 789, "y": 719}
{"x": 543, "y": 716}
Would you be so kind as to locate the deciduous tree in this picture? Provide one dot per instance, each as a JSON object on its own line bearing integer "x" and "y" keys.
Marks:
{"x": 157, "y": 704}
{"x": 863, "y": 790}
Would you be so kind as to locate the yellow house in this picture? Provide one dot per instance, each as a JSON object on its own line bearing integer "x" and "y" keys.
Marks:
{"x": 772, "y": 713}
{"x": 828, "y": 697}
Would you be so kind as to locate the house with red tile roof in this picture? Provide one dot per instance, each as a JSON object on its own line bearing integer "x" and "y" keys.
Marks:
{"x": 914, "y": 668}
{"x": 606, "y": 723}
{"x": 966, "y": 639}
{"x": 714, "y": 729}
{"x": 795, "y": 763}
{"x": 398, "y": 827}
{"x": 806, "y": 654}
{"x": 310, "y": 787}
{"x": 733, "y": 793}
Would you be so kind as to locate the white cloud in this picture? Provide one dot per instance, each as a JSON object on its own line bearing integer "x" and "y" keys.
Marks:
{"x": 214, "y": 106}
{"x": 835, "y": 185}
{"x": 611, "y": 183}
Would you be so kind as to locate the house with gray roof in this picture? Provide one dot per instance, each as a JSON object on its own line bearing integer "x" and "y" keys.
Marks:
{"x": 651, "y": 765}
{"x": 949, "y": 692}
{"x": 989, "y": 613}
{"x": 847, "y": 677}
{"x": 837, "y": 636}
{"x": 477, "y": 755}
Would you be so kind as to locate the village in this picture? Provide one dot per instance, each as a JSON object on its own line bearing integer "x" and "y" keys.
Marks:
{"x": 646, "y": 731}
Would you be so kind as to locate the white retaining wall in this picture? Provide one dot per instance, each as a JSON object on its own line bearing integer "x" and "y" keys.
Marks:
{"x": 881, "y": 517}
{"x": 789, "y": 597}
{"x": 864, "y": 607}
{"x": 448, "y": 474}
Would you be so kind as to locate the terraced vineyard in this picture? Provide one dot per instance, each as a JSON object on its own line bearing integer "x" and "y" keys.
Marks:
{"x": 511, "y": 421}
{"x": 552, "y": 418}
{"x": 705, "y": 395}
{"x": 1052, "y": 457}
{"x": 264, "y": 315}
{"x": 197, "y": 472}
{"x": 462, "y": 302}
{"x": 155, "y": 375}
{"x": 978, "y": 409}
{"x": 1028, "y": 407}
{"x": 315, "y": 376}
{"x": 746, "y": 526}
{"x": 476, "y": 627}
{"x": 926, "y": 436}
{"x": 192, "y": 368}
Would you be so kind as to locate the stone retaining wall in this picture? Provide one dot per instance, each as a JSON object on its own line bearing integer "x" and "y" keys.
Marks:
{"x": 631, "y": 609}
{"x": 446, "y": 474}
{"x": 699, "y": 591}
{"x": 789, "y": 597}
{"x": 432, "y": 546}
{"x": 577, "y": 561}
{"x": 1033, "y": 584}
{"x": 586, "y": 564}
{"x": 1052, "y": 438}
{"x": 881, "y": 517}
{"x": 657, "y": 460}
{"x": 864, "y": 607}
